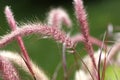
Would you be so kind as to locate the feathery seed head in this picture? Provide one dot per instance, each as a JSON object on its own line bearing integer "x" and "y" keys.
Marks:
{"x": 7, "y": 69}
{"x": 57, "y": 16}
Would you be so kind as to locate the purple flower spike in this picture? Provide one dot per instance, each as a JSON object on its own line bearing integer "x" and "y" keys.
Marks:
{"x": 79, "y": 38}
{"x": 57, "y": 16}
{"x": 37, "y": 29}
{"x": 7, "y": 70}
{"x": 82, "y": 19}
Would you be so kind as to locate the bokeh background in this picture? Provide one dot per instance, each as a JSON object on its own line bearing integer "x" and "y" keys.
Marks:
{"x": 46, "y": 53}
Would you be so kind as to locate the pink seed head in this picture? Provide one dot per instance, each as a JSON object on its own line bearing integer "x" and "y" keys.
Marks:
{"x": 57, "y": 16}
{"x": 45, "y": 30}
{"x": 7, "y": 70}
{"x": 82, "y": 19}
{"x": 10, "y": 18}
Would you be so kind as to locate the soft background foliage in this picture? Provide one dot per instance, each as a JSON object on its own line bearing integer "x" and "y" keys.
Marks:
{"x": 45, "y": 52}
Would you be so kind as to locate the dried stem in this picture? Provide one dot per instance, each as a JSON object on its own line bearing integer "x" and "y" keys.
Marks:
{"x": 64, "y": 61}
{"x": 55, "y": 74}
{"x": 99, "y": 61}
{"x": 85, "y": 65}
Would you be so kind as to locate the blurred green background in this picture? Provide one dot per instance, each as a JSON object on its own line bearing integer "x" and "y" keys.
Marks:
{"x": 46, "y": 53}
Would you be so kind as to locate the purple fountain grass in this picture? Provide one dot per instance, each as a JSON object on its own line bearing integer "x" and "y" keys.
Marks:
{"x": 18, "y": 60}
{"x": 57, "y": 16}
{"x": 82, "y": 19}
{"x": 53, "y": 30}
{"x": 37, "y": 29}
{"x": 79, "y": 38}
{"x": 13, "y": 26}
{"x": 7, "y": 70}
